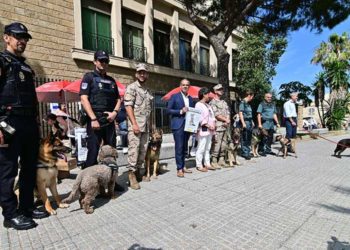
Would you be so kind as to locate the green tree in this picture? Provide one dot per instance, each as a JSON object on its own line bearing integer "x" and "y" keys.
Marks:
{"x": 295, "y": 86}
{"x": 217, "y": 19}
{"x": 257, "y": 59}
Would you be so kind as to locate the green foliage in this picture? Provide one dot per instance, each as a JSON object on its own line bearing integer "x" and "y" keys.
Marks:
{"x": 304, "y": 91}
{"x": 272, "y": 16}
{"x": 256, "y": 61}
{"x": 335, "y": 118}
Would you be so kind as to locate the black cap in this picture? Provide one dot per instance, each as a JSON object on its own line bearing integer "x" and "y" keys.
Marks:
{"x": 17, "y": 28}
{"x": 101, "y": 54}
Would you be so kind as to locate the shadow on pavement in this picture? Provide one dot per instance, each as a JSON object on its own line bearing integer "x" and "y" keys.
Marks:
{"x": 335, "y": 208}
{"x": 138, "y": 247}
{"x": 341, "y": 189}
{"x": 335, "y": 244}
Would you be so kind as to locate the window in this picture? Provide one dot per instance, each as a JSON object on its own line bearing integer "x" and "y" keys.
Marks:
{"x": 161, "y": 44}
{"x": 185, "y": 51}
{"x": 133, "y": 43}
{"x": 96, "y": 23}
{"x": 204, "y": 57}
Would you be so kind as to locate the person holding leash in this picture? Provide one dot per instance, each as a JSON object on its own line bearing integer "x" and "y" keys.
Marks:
{"x": 19, "y": 134}
{"x": 267, "y": 115}
{"x": 100, "y": 99}
{"x": 220, "y": 139}
{"x": 246, "y": 123}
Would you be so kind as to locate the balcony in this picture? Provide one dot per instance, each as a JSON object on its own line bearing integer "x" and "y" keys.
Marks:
{"x": 95, "y": 42}
{"x": 131, "y": 51}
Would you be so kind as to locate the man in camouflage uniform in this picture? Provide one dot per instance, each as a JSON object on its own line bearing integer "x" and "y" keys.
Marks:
{"x": 222, "y": 115}
{"x": 137, "y": 101}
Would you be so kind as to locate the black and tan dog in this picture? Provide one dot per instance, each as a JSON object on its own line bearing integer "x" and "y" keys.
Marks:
{"x": 51, "y": 150}
{"x": 341, "y": 146}
{"x": 152, "y": 154}
{"x": 233, "y": 146}
{"x": 258, "y": 134}
{"x": 285, "y": 145}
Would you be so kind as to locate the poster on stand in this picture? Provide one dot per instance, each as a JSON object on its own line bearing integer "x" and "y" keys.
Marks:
{"x": 193, "y": 117}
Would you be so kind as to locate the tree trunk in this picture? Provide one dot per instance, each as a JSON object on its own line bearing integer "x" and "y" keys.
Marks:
{"x": 223, "y": 61}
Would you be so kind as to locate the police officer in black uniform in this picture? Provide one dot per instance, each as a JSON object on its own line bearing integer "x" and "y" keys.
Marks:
{"x": 18, "y": 109}
{"x": 101, "y": 101}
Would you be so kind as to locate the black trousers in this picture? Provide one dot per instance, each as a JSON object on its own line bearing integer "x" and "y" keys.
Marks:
{"x": 25, "y": 145}
{"x": 95, "y": 137}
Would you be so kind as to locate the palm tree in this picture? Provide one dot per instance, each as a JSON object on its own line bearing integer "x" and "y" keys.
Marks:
{"x": 334, "y": 57}
{"x": 319, "y": 92}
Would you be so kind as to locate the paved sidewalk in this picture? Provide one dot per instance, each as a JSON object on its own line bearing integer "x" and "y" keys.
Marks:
{"x": 268, "y": 203}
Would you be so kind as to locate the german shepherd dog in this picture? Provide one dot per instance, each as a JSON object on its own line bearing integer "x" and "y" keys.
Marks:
{"x": 341, "y": 146}
{"x": 96, "y": 179}
{"x": 51, "y": 149}
{"x": 152, "y": 154}
{"x": 258, "y": 134}
{"x": 232, "y": 149}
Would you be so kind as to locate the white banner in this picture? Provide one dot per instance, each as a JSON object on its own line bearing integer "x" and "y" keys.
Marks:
{"x": 81, "y": 143}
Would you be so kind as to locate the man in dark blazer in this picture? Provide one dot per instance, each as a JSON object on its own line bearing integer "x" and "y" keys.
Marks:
{"x": 177, "y": 107}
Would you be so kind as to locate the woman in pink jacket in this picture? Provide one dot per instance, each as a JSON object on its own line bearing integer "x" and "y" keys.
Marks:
{"x": 205, "y": 132}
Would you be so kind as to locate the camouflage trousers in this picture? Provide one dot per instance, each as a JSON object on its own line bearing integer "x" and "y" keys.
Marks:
{"x": 219, "y": 145}
{"x": 137, "y": 149}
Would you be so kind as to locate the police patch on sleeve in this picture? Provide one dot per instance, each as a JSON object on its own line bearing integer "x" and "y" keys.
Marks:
{"x": 84, "y": 85}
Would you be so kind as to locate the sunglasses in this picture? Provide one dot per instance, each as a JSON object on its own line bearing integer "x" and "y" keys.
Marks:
{"x": 104, "y": 61}
{"x": 20, "y": 37}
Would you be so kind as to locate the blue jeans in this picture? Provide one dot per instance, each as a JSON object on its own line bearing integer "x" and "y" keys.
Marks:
{"x": 291, "y": 131}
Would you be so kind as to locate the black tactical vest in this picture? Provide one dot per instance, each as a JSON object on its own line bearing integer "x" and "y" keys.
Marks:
{"x": 17, "y": 87}
{"x": 102, "y": 96}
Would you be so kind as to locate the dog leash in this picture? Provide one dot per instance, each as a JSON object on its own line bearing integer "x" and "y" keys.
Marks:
{"x": 326, "y": 139}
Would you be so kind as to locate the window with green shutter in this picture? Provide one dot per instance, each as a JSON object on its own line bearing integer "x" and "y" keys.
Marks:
{"x": 96, "y": 30}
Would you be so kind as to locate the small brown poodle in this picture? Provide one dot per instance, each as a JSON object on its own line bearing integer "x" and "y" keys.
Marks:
{"x": 95, "y": 180}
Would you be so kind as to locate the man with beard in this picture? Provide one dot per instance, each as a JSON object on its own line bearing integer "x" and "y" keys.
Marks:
{"x": 18, "y": 109}
{"x": 137, "y": 101}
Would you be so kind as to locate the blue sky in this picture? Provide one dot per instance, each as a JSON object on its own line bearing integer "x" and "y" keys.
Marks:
{"x": 295, "y": 62}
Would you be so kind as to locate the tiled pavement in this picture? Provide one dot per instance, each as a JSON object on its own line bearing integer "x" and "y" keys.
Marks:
{"x": 268, "y": 203}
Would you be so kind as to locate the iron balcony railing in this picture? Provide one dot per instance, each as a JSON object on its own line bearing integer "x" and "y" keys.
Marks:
{"x": 95, "y": 42}
{"x": 134, "y": 52}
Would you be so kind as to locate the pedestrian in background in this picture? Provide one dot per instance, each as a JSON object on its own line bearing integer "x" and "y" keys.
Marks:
{"x": 246, "y": 123}
{"x": 138, "y": 105}
{"x": 205, "y": 132}
{"x": 267, "y": 118}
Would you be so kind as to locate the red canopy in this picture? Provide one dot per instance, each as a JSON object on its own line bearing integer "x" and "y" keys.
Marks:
{"x": 51, "y": 91}
{"x": 192, "y": 91}
{"x": 64, "y": 91}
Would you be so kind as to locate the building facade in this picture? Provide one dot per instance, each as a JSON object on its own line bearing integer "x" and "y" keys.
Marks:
{"x": 158, "y": 32}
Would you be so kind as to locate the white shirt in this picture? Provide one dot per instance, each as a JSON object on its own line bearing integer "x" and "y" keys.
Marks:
{"x": 289, "y": 109}
{"x": 186, "y": 100}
